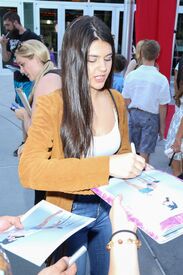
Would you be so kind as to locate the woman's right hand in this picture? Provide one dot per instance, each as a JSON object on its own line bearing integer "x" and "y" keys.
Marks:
{"x": 60, "y": 268}
{"x": 126, "y": 166}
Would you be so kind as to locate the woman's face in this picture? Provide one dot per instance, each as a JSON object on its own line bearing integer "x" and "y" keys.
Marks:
{"x": 30, "y": 67}
{"x": 99, "y": 64}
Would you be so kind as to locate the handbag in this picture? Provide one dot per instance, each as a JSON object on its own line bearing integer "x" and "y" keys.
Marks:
{"x": 180, "y": 176}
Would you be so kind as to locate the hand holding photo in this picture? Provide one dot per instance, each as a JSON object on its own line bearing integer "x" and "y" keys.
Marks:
{"x": 133, "y": 148}
{"x": 76, "y": 255}
{"x": 45, "y": 227}
{"x": 24, "y": 100}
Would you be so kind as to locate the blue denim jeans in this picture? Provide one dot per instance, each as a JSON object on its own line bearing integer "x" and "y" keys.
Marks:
{"x": 95, "y": 236}
{"x": 143, "y": 129}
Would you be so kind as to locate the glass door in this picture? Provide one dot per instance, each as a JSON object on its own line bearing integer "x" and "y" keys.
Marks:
{"x": 112, "y": 15}
{"x": 71, "y": 11}
{"x": 46, "y": 25}
{"x": 52, "y": 18}
{"x": 48, "y": 31}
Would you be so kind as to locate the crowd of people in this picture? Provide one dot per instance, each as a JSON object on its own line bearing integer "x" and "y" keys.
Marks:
{"x": 76, "y": 137}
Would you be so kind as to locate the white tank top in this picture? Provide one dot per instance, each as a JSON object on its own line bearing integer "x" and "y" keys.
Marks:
{"x": 108, "y": 144}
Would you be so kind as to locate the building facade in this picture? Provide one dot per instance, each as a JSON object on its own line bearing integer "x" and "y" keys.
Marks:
{"x": 50, "y": 19}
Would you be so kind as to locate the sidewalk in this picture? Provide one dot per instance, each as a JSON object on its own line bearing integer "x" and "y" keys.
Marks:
{"x": 154, "y": 259}
{"x": 14, "y": 200}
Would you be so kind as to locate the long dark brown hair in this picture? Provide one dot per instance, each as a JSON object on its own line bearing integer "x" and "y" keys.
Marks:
{"x": 76, "y": 130}
{"x": 179, "y": 91}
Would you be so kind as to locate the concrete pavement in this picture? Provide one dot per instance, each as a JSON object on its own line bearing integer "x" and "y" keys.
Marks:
{"x": 154, "y": 259}
{"x": 14, "y": 200}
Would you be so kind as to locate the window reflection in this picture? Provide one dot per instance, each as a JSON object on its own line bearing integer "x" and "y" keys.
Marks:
{"x": 70, "y": 15}
{"x": 48, "y": 30}
{"x": 105, "y": 16}
{"x": 28, "y": 16}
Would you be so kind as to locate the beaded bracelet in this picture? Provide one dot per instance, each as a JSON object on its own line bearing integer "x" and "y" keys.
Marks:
{"x": 120, "y": 241}
{"x": 137, "y": 242}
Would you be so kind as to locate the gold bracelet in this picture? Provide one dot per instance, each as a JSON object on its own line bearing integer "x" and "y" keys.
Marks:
{"x": 120, "y": 241}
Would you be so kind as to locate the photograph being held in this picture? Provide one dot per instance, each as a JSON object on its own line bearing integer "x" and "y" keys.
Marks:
{"x": 61, "y": 267}
{"x": 125, "y": 251}
{"x": 79, "y": 138}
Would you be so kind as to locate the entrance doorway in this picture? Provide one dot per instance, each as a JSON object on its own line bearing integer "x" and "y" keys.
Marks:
{"x": 52, "y": 18}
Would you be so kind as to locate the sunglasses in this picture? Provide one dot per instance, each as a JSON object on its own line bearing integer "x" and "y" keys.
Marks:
{"x": 19, "y": 45}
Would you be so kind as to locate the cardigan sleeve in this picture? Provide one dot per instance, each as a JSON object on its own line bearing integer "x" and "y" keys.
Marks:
{"x": 123, "y": 123}
{"x": 38, "y": 170}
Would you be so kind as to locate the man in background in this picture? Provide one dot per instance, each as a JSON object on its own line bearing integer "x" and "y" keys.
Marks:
{"x": 16, "y": 34}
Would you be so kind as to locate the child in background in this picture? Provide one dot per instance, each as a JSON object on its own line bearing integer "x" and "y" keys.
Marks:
{"x": 120, "y": 64}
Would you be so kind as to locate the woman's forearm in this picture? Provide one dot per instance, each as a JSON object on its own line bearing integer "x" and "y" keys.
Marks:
{"x": 123, "y": 257}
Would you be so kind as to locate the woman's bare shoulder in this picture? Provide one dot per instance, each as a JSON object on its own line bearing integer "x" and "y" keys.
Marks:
{"x": 48, "y": 84}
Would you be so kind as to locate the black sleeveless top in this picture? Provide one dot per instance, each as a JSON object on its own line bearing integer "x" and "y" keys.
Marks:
{"x": 54, "y": 71}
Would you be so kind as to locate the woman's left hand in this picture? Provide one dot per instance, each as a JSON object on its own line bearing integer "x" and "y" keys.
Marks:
{"x": 118, "y": 216}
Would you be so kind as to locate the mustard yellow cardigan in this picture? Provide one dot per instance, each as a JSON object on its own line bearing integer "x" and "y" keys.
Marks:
{"x": 42, "y": 165}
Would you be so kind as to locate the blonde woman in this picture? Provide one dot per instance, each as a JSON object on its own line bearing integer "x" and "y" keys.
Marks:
{"x": 137, "y": 61}
{"x": 33, "y": 57}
